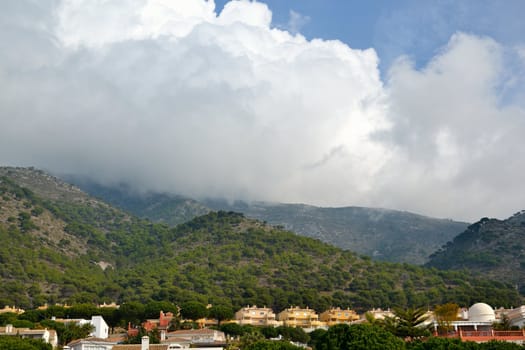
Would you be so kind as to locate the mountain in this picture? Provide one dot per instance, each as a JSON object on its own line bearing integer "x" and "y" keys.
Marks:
{"x": 383, "y": 234}
{"x": 58, "y": 243}
{"x": 61, "y": 245}
{"x": 157, "y": 207}
{"x": 490, "y": 247}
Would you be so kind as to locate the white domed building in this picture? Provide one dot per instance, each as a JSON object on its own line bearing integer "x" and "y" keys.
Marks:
{"x": 481, "y": 312}
{"x": 479, "y": 317}
{"x": 476, "y": 324}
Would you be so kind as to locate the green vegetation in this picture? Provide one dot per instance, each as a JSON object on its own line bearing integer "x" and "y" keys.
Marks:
{"x": 353, "y": 337}
{"x": 153, "y": 335}
{"x": 84, "y": 251}
{"x": 17, "y": 343}
{"x": 157, "y": 207}
{"x": 193, "y": 310}
{"x": 490, "y": 247}
{"x": 446, "y": 314}
{"x": 386, "y": 235}
{"x": 62, "y": 246}
{"x": 369, "y": 337}
{"x": 272, "y": 345}
{"x": 358, "y": 337}
{"x": 408, "y": 323}
{"x": 221, "y": 313}
{"x": 456, "y": 344}
{"x": 67, "y": 332}
{"x": 405, "y": 333}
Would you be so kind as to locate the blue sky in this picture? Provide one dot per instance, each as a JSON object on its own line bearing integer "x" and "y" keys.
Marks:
{"x": 408, "y": 104}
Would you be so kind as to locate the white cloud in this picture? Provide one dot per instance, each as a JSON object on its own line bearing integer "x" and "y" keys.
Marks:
{"x": 230, "y": 107}
{"x": 98, "y": 22}
{"x": 461, "y": 143}
{"x": 250, "y": 13}
{"x": 169, "y": 95}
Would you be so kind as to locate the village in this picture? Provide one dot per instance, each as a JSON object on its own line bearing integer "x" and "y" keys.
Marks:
{"x": 479, "y": 323}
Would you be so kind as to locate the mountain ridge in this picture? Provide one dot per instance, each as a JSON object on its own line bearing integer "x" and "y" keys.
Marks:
{"x": 493, "y": 247}
{"x": 384, "y": 234}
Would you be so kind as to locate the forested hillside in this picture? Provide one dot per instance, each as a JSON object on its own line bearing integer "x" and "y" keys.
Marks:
{"x": 76, "y": 249}
{"x": 384, "y": 234}
{"x": 490, "y": 247}
{"x": 387, "y": 235}
{"x": 157, "y": 207}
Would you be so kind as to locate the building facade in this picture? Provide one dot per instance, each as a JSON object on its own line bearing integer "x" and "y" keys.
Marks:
{"x": 46, "y": 335}
{"x": 90, "y": 344}
{"x": 298, "y": 317}
{"x": 516, "y": 316}
{"x": 335, "y": 316}
{"x": 256, "y": 316}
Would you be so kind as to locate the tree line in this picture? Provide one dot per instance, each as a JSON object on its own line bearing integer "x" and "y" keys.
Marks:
{"x": 405, "y": 330}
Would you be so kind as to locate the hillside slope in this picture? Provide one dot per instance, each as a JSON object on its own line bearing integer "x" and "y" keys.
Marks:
{"x": 490, "y": 247}
{"x": 382, "y": 234}
{"x": 388, "y": 235}
{"x": 157, "y": 207}
{"x": 64, "y": 245}
{"x": 71, "y": 250}
{"x": 37, "y": 253}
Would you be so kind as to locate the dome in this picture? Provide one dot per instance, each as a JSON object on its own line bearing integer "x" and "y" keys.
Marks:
{"x": 481, "y": 312}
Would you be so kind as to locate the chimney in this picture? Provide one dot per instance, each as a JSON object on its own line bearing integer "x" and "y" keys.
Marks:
{"x": 145, "y": 343}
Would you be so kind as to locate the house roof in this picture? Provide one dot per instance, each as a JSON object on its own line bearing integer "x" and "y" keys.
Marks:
{"x": 14, "y": 330}
{"x": 91, "y": 340}
{"x": 175, "y": 339}
{"x": 212, "y": 344}
{"x": 194, "y": 331}
{"x": 139, "y": 346}
{"x": 117, "y": 338}
{"x": 35, "y": 331}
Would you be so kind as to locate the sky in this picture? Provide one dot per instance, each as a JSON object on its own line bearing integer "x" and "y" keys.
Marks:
{"x": 409, "y": 105}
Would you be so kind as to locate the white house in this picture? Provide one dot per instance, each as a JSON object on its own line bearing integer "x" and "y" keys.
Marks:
{"x": 479, "y": 317}
{"x": 91, "y": 344}
{"x": 47, "y": 335}
{"x": 201, "y": 337}
{"x": 100, "y": 327}
{"x": 516, "y": 316}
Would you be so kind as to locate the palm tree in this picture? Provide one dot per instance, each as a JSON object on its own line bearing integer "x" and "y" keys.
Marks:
{"x": 409, "y": 324}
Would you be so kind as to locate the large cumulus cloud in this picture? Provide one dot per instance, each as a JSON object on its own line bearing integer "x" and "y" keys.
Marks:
{"x": 172, "y": 96}
{"x": 458, "y": 126}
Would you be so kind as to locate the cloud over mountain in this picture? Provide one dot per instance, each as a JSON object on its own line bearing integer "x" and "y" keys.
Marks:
{"x": 171, "y": 95}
